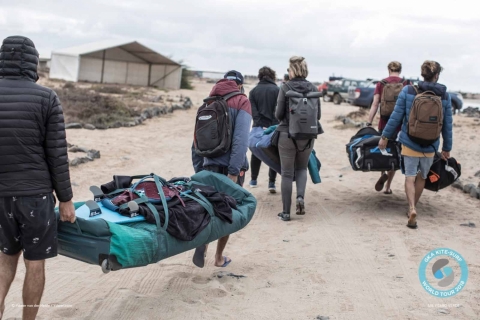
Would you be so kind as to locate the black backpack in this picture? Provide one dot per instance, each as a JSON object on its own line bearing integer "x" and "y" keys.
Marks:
{"x": 442, "y": 173}
{"x": 213, "y": 127}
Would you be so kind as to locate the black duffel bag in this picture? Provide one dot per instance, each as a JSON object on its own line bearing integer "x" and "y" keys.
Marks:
{"x": 442, "y": 173}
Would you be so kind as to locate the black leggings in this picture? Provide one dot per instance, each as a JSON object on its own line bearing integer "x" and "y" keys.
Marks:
{"x": 255, "y": 164}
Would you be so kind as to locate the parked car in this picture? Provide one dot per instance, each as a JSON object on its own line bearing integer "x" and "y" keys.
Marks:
{"x": 323, "y": 88}
{"x": 337, "y": 91}
{"x": 362, "y": 96}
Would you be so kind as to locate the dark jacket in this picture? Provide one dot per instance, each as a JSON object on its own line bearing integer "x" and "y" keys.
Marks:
{"x": 241, "y": 117}
{"x": 263, "y": 99}
{"x": 402, "y": 111}
{"x": 33, "y": 149}
{"x": 281, "y": 113}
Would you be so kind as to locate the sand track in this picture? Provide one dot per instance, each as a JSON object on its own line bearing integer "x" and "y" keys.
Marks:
{"x": 350, "y": 257}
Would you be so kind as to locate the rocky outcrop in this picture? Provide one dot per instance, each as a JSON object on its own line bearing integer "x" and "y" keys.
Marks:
{"x": 91, "y": 154}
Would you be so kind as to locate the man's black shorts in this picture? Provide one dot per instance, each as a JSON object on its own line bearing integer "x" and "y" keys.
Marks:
{"x": 28, "y": 223}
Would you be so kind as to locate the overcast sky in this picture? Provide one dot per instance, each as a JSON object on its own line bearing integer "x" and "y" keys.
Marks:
{"x": 349, "y": 38}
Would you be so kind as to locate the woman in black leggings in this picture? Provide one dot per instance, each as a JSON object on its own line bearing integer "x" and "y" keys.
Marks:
{"x": 293, "y": 160}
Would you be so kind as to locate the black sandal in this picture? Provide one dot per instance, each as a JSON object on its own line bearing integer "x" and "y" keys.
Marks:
{"x": 381, "y": 182}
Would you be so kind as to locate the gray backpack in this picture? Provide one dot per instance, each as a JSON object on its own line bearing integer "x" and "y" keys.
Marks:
{"x": 303, "y": 111}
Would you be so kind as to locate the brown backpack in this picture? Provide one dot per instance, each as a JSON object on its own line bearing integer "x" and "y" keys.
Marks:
{"x": 425, "y": 120}
{"x": 390, "y": 94}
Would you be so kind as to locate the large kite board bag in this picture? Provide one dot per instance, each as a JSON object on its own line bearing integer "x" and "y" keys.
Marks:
{"x": 364, "y": 154}
{"x": 113, "y": 245}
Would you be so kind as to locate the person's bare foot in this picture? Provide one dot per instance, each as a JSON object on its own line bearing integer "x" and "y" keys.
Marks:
{"x": 412, "y": 218}
{"x": 222, "y": 261}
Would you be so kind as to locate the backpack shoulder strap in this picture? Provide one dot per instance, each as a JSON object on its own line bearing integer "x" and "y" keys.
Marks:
{"x": 384, "y": 82}
{"x": 416, "y": 89}
{"x": 231, "y": 95}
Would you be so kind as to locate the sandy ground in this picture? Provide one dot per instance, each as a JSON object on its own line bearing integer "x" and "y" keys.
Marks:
{"x": 350, "y": 257}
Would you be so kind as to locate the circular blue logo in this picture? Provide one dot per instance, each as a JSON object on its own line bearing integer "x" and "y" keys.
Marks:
{"x": 439, "y": 270}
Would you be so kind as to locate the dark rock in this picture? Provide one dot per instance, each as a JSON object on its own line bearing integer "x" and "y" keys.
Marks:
{"x": 177, "y": 107}
{"x": 170, "y": 110}
{"x": 146, "y": 114}
{"x": 188, "y": 103}
{"x": 475, "y": 193}
{"x": 74, "y": 125}
{"x": 477, "y": 174}
{"x": 468, "y": 187}
{"x": 89, "y": 126}
{"x": 238, "y": 276}
{"x": 164, "y": 110}
{"x": 155, "y": 111}
{"x": 69, "y": 145}
{"x": 101, "y": 127}
{"x": 129, "y": 124}
{"x": 138, "y": 120}
{"x": 117, "y": 124}
{"x": 286, "y": 240}
{"x": 78, "y": 149}
{"x": 457, "y": 184}
{"x": 94, "y": 154}
{"x": 391, "y": 255}
{"x": 470, "y": 224}
{"x": 79, "y": 160}
{"x": 322, "y": 318}
{"x": 74, "y": 184}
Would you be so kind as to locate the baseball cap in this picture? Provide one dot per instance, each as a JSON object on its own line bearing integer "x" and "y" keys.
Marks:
{"x": 234, "y": 75}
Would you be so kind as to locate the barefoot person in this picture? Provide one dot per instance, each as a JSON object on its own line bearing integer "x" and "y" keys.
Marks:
{"x": 294, "y": 153}
{"x": 394, "y": 70}
{"x": 263, "y": 99}
{"x": 33, "y": 163}
{"x": 234, "y": 163}
{"x": 420, "y": 142}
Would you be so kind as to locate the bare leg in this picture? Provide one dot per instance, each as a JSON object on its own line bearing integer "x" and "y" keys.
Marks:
{"x": 391, "y": 175}
{"x": 410, "y": 191}
{"x": 419, "y": 186}
{"x": 8, "y": 269}
{"x": 33, "y": 287}
{"x": 221, "y": 244}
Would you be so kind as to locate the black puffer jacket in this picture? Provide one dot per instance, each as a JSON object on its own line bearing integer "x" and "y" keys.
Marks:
{"x": 33, "y": 148}
{"x": 263, "y": 99}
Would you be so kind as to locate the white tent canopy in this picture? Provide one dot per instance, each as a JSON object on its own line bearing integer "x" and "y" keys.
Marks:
{"x": 116, "y": 62}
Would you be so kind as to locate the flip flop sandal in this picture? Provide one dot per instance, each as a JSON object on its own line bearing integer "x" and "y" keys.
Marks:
{"x": 388, "y": 191}
{"x": 225, "y": 262}
{"x": 381, "y": 182}
{"x": 412, "y": 225}
{"x": 199, "y": 256}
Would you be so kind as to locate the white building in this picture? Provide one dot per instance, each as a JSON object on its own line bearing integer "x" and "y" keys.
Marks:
{"x": 116, "y": 62}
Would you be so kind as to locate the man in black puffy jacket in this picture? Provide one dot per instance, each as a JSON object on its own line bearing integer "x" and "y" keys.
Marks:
{"x": 33, "y": 164}
{"x": 263, "y": 99}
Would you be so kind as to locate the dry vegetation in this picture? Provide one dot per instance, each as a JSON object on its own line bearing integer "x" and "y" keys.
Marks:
{"x": 90, "y": 106}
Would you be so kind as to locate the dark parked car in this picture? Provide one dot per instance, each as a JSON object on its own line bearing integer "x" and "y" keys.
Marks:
{"x": 362, "y": 96}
